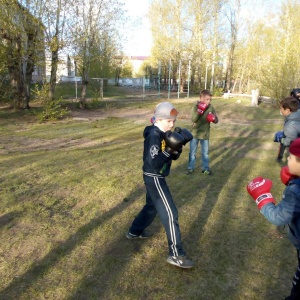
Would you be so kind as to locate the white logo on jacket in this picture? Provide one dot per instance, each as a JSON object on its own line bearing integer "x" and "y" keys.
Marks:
{"x": 154, "y": 151}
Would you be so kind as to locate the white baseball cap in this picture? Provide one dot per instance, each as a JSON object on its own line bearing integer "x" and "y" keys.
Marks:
{"x": 165, "y": 110}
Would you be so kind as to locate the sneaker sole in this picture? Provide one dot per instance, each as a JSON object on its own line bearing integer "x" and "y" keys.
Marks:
{"x": 171, "y": 262}
{"x": 130, "y": 237}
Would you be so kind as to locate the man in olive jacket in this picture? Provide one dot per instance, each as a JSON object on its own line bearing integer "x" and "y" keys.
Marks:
{"x": 203, "y": 114}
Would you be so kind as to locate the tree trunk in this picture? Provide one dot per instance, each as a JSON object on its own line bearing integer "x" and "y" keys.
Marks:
{"x": 27, "y": 84}
{"x": 54, "y": 63}
{"x": 31, "y": 42}
{"x": 15, "y": 71}
{"x": 85, "y": 81}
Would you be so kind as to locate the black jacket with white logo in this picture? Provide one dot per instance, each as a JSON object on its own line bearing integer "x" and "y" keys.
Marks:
{"x": 157, "y": 162}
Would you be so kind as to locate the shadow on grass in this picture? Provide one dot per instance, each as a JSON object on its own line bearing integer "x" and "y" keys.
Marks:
{"x": 39, "y": 268}
{"x": 241, "y": 244}
{"x": 101, "y": 287}
{"x": 104, "y": 275}
{"x": 224, "y": 268}
{"x": 8, "y": 218}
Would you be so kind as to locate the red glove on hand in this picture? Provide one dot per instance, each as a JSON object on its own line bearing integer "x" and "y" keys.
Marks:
{"x": 286, "y": 176}
{"x": 201, "y": 108}
{"x": 259, "y": 189}
{"x": 210, "y": 117}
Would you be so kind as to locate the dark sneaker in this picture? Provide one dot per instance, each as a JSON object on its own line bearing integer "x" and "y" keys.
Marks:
{"x": 190, "y": 171}
{"x": 180, "y": 261}
{"x": 143, "y": 235}
{"x": 207, "y": 172}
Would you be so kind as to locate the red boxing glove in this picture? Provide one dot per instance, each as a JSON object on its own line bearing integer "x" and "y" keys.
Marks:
{"x": 210, "y": 117}
{"x": 286, "y": 176}
{"x": 259, "y": 189}
{"x": 201, "y": 108}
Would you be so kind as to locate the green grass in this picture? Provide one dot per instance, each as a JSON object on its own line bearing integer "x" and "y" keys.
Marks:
{"x": 68, "y": 90}
{"x": 69, "y": 191}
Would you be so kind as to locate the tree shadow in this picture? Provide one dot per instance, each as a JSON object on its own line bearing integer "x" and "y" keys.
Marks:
{"x": 9, "y": 218}
{"x": 101, "y": 284}
{"x": 104, "y": 275}
{"x": 244, "y": 248}
{"x": 39, "y": 268}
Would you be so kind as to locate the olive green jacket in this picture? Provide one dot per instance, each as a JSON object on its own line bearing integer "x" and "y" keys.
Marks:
{"x": 201, "y": 128}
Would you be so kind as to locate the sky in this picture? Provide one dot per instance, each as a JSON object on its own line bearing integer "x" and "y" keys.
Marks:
{"x": 139, "y": 39}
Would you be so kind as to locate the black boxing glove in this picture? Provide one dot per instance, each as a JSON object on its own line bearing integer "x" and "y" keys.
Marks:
{"x": 174, "y": 141}
{"x": 187, "y": 135}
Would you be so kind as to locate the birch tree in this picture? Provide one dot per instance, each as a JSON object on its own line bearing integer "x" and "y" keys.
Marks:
{"x": 55, "y": 15}
{"x": 199, "y": 14}
{"x": 232, "y": 14}
{"x": 94, "y": 19}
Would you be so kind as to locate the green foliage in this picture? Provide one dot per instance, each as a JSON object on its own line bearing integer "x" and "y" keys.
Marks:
{"x": 127, "y": 69}
{"x": 6, "y": 94}
{"x": 52, "y": 109}
{"x": 218, "y": 92}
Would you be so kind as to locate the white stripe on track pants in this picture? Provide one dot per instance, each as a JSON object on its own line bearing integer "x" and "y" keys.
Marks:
{"x": 159, "y": 201}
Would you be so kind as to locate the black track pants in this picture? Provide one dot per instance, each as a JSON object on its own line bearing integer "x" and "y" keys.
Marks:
{"x": 159, "y": 201}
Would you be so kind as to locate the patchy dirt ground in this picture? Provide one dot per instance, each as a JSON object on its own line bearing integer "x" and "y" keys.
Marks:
{"x": 132, "y": 95}
{"x": 97, "y": 114}
{"x": 25, "y": 144}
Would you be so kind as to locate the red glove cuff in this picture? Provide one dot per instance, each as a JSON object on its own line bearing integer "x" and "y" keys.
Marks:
{"x": 264, "y": 199}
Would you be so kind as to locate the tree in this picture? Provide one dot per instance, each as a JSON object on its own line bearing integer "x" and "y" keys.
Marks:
{"x": 94, "y": 19}
{"x": 232, "y": 14}
{"x": 55, "y": 18}
{"x": 103, "y": 54}
{"x": 21, "y": 33}
{"x": 182, "y": 32}
{"x": 127, "y": 69}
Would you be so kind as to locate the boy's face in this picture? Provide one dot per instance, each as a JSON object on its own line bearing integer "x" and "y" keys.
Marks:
{"x": 285, "y": 112}
{"x": 166, "y": 124}
{"x": 205, "y": 99}
{"x": 294, "y": 165}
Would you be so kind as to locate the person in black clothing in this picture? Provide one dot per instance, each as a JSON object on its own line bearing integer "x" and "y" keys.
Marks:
{"x": 161, "y": 146}
{"x": 296, "y": 94}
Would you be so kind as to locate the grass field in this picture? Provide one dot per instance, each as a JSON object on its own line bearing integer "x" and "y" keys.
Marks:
{"x": 70, "y": 189}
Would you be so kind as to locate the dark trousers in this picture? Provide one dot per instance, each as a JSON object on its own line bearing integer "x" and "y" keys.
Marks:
{"x": 295, "y": 292}
{"x": 159, "y": 201}
{"x": 280, "y": 151}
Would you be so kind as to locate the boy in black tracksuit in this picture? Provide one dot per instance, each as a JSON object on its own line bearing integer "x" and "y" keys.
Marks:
{"x": 161, "y": 146}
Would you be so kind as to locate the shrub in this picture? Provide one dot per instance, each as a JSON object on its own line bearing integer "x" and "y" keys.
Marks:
{"x": 52, "y": 108}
